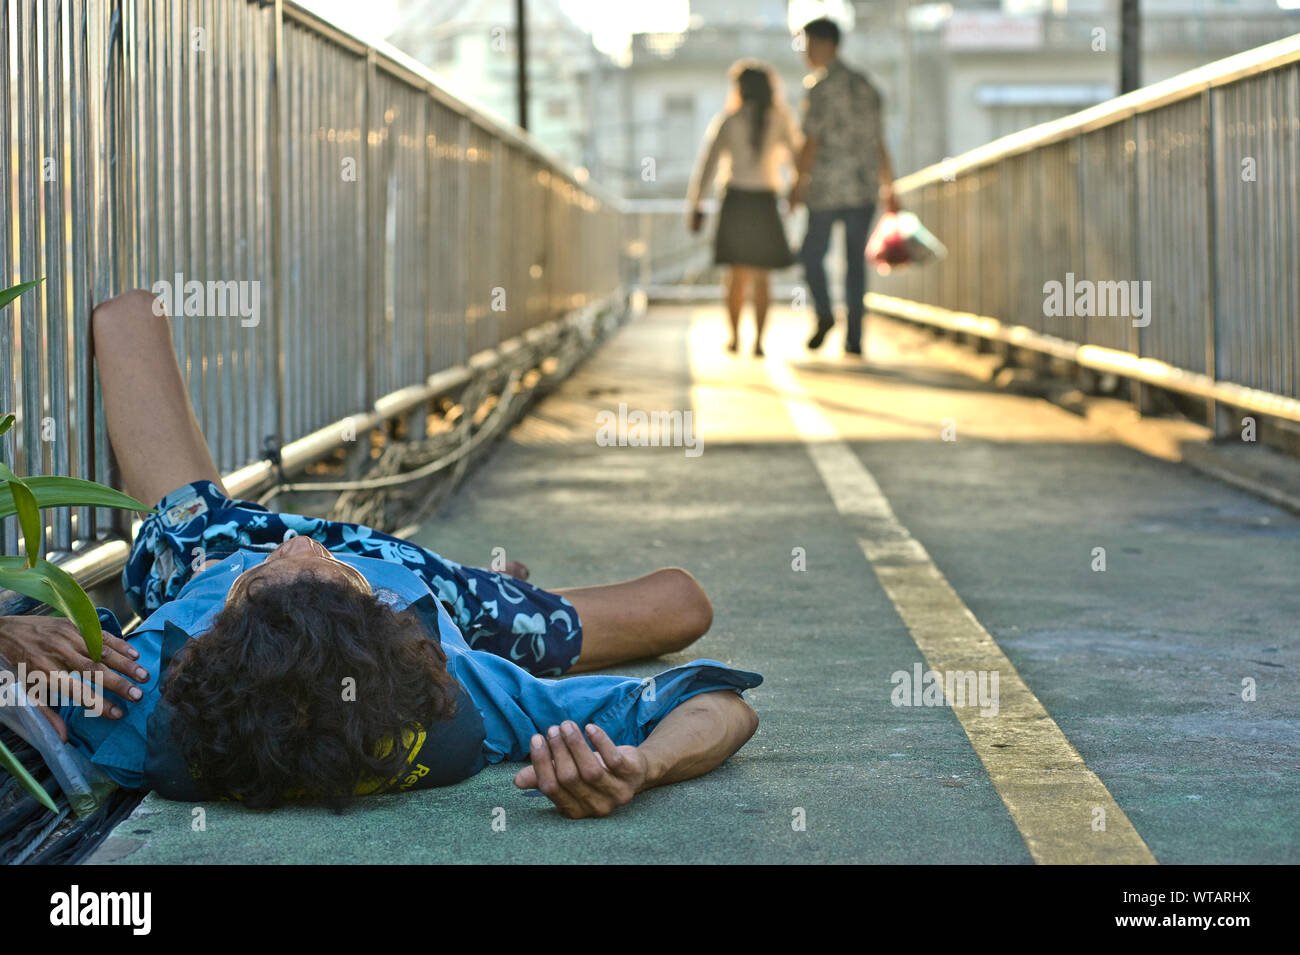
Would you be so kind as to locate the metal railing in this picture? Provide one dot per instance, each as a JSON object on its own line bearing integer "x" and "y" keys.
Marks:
{"x": 1191, "y": 185}
{"x": 355, "y": 232}
{"x": 660, "y": 250}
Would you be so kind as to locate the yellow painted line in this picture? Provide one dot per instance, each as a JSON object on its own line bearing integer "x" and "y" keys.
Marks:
{"x": 1053, "y": 797}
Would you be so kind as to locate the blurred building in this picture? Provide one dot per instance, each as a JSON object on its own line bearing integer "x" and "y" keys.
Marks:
{"x": 954, "y": 74}
{"x": 675, "y": 83}
{"x": 471, "y": 44}
{"x": 987, "y": 69}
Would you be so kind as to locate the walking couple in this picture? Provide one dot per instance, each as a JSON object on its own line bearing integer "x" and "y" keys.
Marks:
{"x": 841, "y": 166}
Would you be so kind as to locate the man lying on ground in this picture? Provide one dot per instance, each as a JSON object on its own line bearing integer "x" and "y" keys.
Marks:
{"x": 287, "y": 657}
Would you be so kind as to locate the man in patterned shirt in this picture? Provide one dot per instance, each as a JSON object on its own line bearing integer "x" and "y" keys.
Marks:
{"x": 286, "y": 657}
{"x": 842, "y": 167}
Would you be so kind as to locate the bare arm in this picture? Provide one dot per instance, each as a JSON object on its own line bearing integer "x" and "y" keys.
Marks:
{"x": 151, "y": 423}
{"x": 706, "y": 167}
{"x": 886, "y": 170}
{"x": 803, "y": 162}
{"x": 692, "y": 740}
{"x": 697, "y": 737}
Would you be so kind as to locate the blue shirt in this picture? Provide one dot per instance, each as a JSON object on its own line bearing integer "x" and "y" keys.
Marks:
{"x": 513, "y": 703}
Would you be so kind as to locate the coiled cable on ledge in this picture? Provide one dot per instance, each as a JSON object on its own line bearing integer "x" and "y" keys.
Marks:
{"x": 387, "y": 496}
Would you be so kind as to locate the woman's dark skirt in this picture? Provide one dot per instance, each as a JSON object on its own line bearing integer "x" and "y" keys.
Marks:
{"x": 750, "y": 232}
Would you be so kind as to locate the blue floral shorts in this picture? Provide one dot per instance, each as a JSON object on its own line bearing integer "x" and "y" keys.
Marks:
{"x": 533, "y": 628}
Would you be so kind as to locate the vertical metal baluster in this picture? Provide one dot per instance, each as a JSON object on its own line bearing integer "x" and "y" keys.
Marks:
{"x": 428, "y": 268}
{"x": 459, "y": 286}
{"x": 220, "y": 250}
{"x": 205, "y": 259}
{"x": 1289, "y": 166}
{"x": 236, "y": 138}
{"x": 80, "y": 438}
{"x": 1209, "y": 314}
{"x": 9, "y": 329}
{"x": 296, "y": 46}
{"x": 187, "y": 329}
{"x": 30, "y": 306}
{"x": 248, "y": 164}
{"x": 276, "y": 211}
{"x": 1277, "y": 228}
{"x": 94, "y": 86}
{"x": 316, "y": 319}
{"x": 258, "y": 63}
{"x": 374, "y": 234}
{"x": 148, "y": 146}
{"x": 173, "y": 253}
{"x": 328, "y": 307}
{"x": 56, "y": 445}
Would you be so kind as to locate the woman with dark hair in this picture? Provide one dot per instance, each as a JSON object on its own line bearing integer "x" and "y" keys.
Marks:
{"x": 747, "y": 148}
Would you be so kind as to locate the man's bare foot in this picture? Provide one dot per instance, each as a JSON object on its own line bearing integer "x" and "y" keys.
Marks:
{"x": 758, "y": 351}
{"x": 516, "y": 569}
{"x": 733, "y": 346}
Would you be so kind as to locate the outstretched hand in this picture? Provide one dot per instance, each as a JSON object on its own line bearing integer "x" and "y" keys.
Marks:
{"x": 53, "y": 644}
{"x": 579, "y": 781}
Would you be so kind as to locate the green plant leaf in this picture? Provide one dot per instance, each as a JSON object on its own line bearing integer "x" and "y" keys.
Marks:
{"x": 53, "y": 491}
{"x": 53, "y": 586}
{"x": 25, "y": 779}
{"x": 9, "y": 294}
{"x": 29, "y": 513}
{"x": 6, "y": 423}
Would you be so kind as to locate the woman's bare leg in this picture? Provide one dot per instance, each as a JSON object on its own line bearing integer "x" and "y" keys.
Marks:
{"x": 151, "y": 424}
{"x": 762, "y": 279}
{"x": 662, "y": 612}
{"x": 737, "y": 280}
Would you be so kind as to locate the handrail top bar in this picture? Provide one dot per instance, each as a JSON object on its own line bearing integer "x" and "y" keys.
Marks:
{"x": 411, "y": 71}
{"x": 1183, "y": 86}
{"x": 682, "y": 205}
{"x": 1098, "y": 357}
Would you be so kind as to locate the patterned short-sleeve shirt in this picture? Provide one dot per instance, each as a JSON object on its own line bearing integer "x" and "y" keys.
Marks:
{"x": 843, "y": 113}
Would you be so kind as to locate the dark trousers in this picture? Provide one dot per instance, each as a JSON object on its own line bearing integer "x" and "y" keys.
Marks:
{"x": 857, "y": 223}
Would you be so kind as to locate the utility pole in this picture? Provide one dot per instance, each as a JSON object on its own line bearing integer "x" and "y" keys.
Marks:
{"x": 521, "y": 66}
{"x": 907, "y": 92}
{"x": 1130, "y": 46}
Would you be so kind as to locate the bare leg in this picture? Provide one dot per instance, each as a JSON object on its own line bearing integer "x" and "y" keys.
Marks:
{"x": 762, "y": 283}
{"x": 151, "y": 423}
{"x": 737, "y": 279}
{"x": 659, "y": 613}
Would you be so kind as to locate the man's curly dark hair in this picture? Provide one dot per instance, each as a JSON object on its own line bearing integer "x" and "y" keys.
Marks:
{"x": 260, "y": 705}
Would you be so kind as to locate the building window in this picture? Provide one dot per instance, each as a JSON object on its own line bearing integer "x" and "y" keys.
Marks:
{"x": 678, "y": 135}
